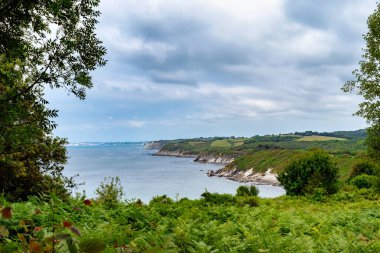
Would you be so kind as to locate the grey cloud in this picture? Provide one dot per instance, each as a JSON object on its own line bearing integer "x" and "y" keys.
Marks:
{"x": 321, "y": 14}
{"x": 168, "y": 59}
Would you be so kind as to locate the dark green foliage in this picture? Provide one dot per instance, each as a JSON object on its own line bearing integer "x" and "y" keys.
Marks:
{"x": 364, "y": 181}
{"x": 33, "y": 57}
{"x": 247, "y": 191}
{"x": 311, "y": 171}
{"x": 252, "y": 201}
{"x": 91, "y": 245}
{"x": 242, "y": 191}
{"x": 351, "y": 135}
{"x": 219, "y": 199}
{"x": 161, "y": 200}
{"x": 364, "y": 167}
{"x": 60, "y": 58}
{"x": 373, "y": 141}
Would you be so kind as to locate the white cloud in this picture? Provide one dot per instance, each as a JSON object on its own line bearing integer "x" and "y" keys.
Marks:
{"x": 134, "y": 123}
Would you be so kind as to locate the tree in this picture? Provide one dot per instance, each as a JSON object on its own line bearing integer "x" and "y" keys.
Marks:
{"x": 43, "y": 43}
{"x": 314, "y": 170}
{"x": 366, "y": 83}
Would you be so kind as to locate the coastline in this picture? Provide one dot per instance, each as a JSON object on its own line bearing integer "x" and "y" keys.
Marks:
{"x": 266, "y": 178}
{"x": 249, "y": 176}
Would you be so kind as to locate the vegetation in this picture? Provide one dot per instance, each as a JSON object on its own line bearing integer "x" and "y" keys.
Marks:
{"x": 364, "y": 181}
{"x": 350, "y": 142}
{"x": 314, "y": 170}
{"x": 366, "y": 83}
{"x": 247, "y": 191}
{"x": 110, "y": 191}
{"x": 320, "y": 138}
{"x": 34, "y": 56}
{"x": 364, "y": 167}
{"x": 260, "y": 161}
{"x": 346, "y": 221}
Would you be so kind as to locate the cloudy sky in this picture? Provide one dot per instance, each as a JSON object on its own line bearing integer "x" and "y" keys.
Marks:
{"x": 192, "y": 68}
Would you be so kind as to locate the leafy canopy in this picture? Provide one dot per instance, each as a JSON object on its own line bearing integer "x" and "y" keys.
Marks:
{"x": 43, "y": 43}
{"x": 366, "y": 83}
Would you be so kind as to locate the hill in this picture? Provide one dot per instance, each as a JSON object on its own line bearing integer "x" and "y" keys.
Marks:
{"x": 258, "y": 154}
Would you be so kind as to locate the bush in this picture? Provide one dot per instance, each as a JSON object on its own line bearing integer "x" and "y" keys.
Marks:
{"x": 161, "y": 200}
{"x": 364, "y": 181}
{"x": 247, "y": 191}
{"x": 219, "y": 199}
{"x": 110, "y": 191}
{"x": 365, "y": 167}
{"x": 311, "y": 171}
{"x": 252, "y": 201}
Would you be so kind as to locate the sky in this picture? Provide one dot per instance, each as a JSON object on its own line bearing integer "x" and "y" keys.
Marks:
{"x": 201, "y": 68}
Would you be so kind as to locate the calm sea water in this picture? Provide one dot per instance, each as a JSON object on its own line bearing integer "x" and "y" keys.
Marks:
{"x": 144, "y": 176}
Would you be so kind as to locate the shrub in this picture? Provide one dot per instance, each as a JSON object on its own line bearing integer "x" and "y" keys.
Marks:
{"x": 364, "y": 181}
{"x": 252, "y": 201}
{"x": 219, "y": 199}
{"x": 312, "y": 170}
{"x": 161, "y": 200}
{"x": 365, "y": 167}
{"x": 247, "y": 191}
{"x": 110, "y": 191}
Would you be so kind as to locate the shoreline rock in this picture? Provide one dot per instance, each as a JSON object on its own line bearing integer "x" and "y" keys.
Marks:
{"x": 201, "y": 158}
{"x": 216, "y": 159}
{"x": 173, "y": 153}
{"x": 267, "y": 178}
{"x": 154, "y": 145}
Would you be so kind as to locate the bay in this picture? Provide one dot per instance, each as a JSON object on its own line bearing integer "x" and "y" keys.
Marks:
{"x": 144, "y": 176}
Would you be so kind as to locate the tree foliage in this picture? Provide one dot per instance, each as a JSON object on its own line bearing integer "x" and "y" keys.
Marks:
{"x": 314, "y": 170}
{"x": 366, "y": 83}
{"x": 110, "y": 191}
{"x": 44, "y": 43}
{"x": 244, "y": 190}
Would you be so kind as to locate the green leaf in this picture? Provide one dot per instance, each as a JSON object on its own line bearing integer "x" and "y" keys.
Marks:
{"x": 71, "y": 246}
{"x": 92, "y": 245}
{"x": 4, "y": 231}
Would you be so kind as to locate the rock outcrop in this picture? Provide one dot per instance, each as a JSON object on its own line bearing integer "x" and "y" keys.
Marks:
{"x": 246, "y": 176}
{"x": 213, "y": 158}
{"x": 173, "y": 153}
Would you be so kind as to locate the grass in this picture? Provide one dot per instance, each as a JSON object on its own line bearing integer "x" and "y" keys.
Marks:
{"x": 320, "y": 138}
{"x": 262, "y": 160}
{"x": 345, "y": 222}
{"x": 221, "y": 144}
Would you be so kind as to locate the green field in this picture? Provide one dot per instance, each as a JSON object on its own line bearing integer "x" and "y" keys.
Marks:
{"x": 220, "y": 144}
{"x": 320, "y": 138}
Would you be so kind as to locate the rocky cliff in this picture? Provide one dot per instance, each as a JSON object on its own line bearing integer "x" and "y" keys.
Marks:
{"x": 214, "y": 158}
{"x": 154, "y": 145}
{"x": 177, "y": 153}
{"x": 246, "y": 176}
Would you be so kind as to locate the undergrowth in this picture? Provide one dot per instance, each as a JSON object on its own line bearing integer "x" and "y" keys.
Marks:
{"x": 348, "y": 221}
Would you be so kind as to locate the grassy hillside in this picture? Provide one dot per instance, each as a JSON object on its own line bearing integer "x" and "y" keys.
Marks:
{"x": 345, "y": 222}
{"x": 347, "y": 142}
{"x": 276, "y": 151}
{"x": 277, "y": 160}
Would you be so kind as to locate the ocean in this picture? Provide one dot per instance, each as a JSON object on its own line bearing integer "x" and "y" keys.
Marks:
{"x": 144, "y": 176}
